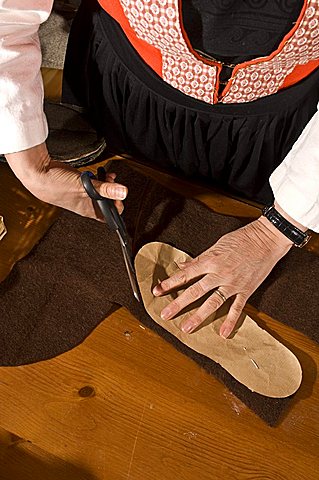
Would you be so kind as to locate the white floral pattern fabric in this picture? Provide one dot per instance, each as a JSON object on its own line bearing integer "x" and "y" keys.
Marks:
{"x": 158, "y": 22}
{"x": 266, "y": 78}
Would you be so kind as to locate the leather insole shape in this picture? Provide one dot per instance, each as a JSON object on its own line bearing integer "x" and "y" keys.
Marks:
{"x": 251, "y": 355}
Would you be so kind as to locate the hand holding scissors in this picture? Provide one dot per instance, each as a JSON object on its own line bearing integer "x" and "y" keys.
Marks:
{"x": 115, "y": 223}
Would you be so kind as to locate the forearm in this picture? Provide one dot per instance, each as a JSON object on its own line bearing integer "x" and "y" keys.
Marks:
{"x": 59, "y": 184}
{"x": 36, "y": 171}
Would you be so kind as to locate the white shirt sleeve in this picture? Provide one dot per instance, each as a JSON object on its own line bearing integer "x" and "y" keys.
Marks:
{"x": 295, "y": 182}
{"x": 22, "y": 121}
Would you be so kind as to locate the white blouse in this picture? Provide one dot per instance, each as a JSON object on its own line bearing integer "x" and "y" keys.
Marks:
{"x": 295, "y": 182}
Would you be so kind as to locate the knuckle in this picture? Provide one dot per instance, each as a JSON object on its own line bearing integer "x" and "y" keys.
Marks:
{"x": 165, "y": 284}
{"x": 114, "y": 191}
{"x": 237, "y": 310}
{"x": 213, "y": 302}
{"x": 104, "y": 189}
{"x": 174, "y": 281}
{"x": 196, "y": 265}
{"x": 196, "y": 291}
{"x": 109, "y": 189}
{"x": 182, "y": 278}
{"x": 174, "y": 308}
{"x": 197, "y": 319}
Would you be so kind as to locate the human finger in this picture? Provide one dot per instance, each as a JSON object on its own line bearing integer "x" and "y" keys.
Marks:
{"x": 180, "y": 278}
{"x": 110, "y": 177}
{"x": 213, "y": 303}
{"x": 119, "y": 206}
{"x": 112, "y": 190}
{"x": 104, "y": 176}
{"x": 189, "y": 296}
{"x": 184, "y": 264}
{"x": 233, "y": 315}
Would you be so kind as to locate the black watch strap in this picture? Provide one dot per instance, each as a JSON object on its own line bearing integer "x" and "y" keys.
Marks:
{"x": 298, "y": 237}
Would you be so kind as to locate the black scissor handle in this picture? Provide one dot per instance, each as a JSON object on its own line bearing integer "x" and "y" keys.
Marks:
{"x": 107, "y": 207}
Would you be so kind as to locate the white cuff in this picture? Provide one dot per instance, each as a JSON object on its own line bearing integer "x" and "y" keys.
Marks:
{"x": 304, "y": 209}
{"x": 22, "y": 121}
{"x": 295, "y": 183}
{"x": 22, "y": 134}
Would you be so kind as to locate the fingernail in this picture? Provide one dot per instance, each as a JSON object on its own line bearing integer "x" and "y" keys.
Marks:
{"x": 120, "y": 193}
{"x": 156, "y": 290}
{"x": 188, "y": 328}
{"x": 166, "y": 314}
{"x": 225, "y": 332}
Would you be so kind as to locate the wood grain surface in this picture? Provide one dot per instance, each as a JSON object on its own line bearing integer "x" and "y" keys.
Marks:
{"x": 125, "y": 405}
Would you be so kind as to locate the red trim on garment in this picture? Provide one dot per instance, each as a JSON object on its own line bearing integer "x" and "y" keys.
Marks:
{"x": 150, "y": 54}
{"x": 272, "y": 55}
{"x": 299, "y": 73}
{"x": 153, "y": 56}
{"x": 207, "y": 61}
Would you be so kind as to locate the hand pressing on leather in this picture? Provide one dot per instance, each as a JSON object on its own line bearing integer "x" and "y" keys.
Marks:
{"x": 58, "y": 184}
{"x": 236, "y": 265}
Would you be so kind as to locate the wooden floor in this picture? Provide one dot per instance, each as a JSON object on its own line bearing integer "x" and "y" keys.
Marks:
{"x": 125, "y": 405}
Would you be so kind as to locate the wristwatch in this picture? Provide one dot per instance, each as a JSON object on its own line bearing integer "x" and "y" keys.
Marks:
{"x": 299, "y": 238}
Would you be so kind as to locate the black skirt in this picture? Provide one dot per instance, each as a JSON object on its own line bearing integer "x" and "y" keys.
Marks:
{"x": 236, "y": 146}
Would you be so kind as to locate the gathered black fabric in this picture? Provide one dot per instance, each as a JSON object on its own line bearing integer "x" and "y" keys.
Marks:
{"x": 234, "y": 146}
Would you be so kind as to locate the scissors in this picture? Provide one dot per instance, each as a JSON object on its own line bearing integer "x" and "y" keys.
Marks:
{"x": 115, "y": 223}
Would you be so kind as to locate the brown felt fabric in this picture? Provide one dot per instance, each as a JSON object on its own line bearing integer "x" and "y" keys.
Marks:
{"x": 68, "y": 284}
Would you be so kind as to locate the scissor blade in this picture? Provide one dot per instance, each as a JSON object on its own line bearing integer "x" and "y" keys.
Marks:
{"x": 129, "y": 268}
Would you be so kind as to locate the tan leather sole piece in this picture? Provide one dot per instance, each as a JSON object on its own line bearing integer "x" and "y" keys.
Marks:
{"x": 251, "y": 355}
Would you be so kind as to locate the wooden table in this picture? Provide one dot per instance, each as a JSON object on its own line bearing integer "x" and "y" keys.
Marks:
{"x": 125, "y": 405}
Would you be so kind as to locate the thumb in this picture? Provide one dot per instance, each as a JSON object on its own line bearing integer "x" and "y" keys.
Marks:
{"x": 114, "y": 191}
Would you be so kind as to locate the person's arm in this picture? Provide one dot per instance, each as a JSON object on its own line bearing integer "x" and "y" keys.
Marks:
{"x": 241, "y": 260}
{"x": 235, "y": 266}
{"x": 60, "y": 184}
{"x": 23, "y": 126}
{"x": 295, "y": 182}
{"x": 22, "y": 121}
